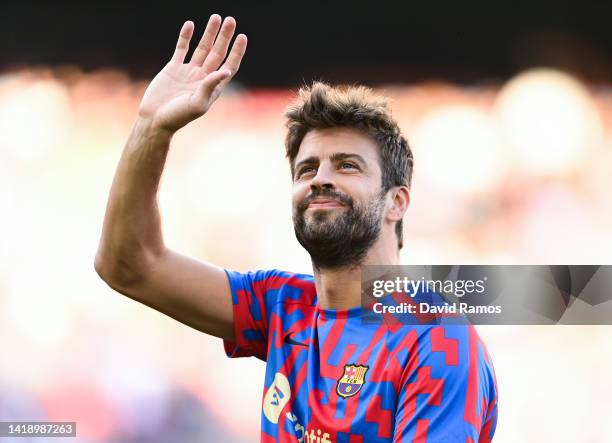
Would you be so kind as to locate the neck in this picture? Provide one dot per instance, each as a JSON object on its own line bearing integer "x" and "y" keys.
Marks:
{"x": 340, "y": 288}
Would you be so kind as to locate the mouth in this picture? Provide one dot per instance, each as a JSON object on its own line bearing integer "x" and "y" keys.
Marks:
{"x": 324, "y": 203}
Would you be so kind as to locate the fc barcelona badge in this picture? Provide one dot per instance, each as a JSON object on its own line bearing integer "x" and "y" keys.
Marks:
{"x": 352, "y": 380}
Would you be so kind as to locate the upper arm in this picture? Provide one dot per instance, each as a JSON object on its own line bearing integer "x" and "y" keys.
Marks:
{"x": 193, "y": 292}
{"x": 449, "y": 394}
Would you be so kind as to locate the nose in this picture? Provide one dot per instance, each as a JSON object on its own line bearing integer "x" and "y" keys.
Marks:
{"x": 323, "y": 179}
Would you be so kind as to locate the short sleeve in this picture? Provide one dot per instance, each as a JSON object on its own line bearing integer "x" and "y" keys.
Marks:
{"x": 449, "y": 393}
{"x": 251, "y": 300}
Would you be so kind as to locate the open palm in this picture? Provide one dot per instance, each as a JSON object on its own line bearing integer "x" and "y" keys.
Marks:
{"x": 182, "y": 92}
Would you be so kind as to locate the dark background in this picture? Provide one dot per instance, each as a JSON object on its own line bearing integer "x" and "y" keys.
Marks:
{"x": 371, "y": 42}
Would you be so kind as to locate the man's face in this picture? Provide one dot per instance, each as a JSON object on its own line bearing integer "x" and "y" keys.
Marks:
{"x": 338, "y": 203}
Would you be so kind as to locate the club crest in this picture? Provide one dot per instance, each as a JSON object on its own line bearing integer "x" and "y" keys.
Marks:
{"x": 351, "y": 381}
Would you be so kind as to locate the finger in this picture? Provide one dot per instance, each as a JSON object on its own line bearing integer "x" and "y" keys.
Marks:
{"x": 235, "y": 57}
{"x": 210, "y": 83}
{"x": 182, "y": 46}
{"x": 219, "y": 50}
{"x": 207, "y": 40}
{"x": 232, "y": 64}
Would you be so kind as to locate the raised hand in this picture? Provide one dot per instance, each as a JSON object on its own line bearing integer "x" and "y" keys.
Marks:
{"x": 182, "y": 92}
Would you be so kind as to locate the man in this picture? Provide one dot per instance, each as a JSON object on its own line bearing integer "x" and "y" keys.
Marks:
{"x": 329, "y": 377}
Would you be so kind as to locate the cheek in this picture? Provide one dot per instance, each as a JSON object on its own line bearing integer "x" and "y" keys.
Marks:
{"x": 298, "y": 194}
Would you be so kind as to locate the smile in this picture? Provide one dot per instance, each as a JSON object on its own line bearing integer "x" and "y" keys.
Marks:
{"x": 322, "y": 204}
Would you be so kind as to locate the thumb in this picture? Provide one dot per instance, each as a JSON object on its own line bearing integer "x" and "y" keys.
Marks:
{"x": 206, "y": 88}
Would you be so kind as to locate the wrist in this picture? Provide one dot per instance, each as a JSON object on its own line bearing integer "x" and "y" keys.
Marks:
{"x": 148, "y": 128}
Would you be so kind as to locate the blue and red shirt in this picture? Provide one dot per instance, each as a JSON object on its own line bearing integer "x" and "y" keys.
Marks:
{"x": 331, "y": 377}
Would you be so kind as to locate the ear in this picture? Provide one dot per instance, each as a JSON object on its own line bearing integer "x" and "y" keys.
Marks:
{"x": 400, "y": 199}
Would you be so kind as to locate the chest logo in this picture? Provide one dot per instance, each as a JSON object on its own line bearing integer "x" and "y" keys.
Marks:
{"x": 291, "y": 341}
{"x": 352, "y": 380}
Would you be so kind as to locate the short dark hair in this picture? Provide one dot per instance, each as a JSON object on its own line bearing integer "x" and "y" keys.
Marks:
{"x": 321, "y": 106}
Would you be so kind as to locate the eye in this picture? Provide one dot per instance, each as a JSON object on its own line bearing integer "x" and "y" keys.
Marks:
{"x": 305, "y": 170}
{"x": 348, "y": 165}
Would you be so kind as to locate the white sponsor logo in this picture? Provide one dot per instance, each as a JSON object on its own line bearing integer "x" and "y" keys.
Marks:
{"x": 307, "y": 435}
{"x": 276, "y": 397}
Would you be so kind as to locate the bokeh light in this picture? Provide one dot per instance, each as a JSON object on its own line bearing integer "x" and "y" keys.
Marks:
{"x": 548, "y": 120}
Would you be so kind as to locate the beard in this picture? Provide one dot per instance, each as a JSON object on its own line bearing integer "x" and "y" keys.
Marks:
{"x": 340, "y": 237}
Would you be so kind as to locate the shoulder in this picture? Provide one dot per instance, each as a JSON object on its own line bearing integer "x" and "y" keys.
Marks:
{"x": 454, "y": 353}
{"x": 273, "y": 285}
{"x": 455, "y": 345}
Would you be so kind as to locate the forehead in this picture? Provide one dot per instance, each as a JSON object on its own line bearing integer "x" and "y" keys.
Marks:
{"x": 322, "y": 143}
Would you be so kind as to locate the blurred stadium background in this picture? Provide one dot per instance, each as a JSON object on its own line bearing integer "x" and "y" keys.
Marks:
{"x": 513, "y": 162}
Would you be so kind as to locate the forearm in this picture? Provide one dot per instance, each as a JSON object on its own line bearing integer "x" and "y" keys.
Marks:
{"x": 131, "y": 234}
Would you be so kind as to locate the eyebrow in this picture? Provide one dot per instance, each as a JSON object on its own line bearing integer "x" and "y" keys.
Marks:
{"x": 336, "y": 157}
